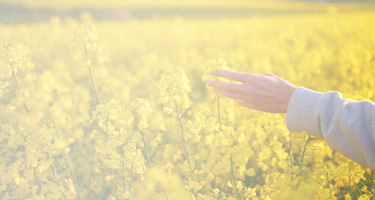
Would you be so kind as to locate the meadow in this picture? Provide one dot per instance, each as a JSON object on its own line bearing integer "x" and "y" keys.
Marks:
{"x": 120, "y": 110}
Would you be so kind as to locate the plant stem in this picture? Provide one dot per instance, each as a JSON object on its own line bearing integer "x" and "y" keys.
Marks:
{"x": 131, "y": 177}
{"x": 146, "y": 151}
{"x": 272, "y": 154}
{"x": 291, "y": 152}
{"x": 54, "y": 169}
{"x": 218, "y": 109}
{"x": 350, "y": 184}
{"x": 67, "y": 158}
{"x": 148, "y": 160}
{"x": 329, "y": 185}
{"x": 373, "y": 184}
{"x": 147, "y": 155}
{"x": 91, "y": 77}
{"x": 183, "y": 134}
{"x": 106, "y": 127}
{"x": 123, "y": 173}
{"x": 165, "y": 192}
{"x": 18, "y": 86}
{"x": 234, "y": 179}
{"x": 303, "y": 153}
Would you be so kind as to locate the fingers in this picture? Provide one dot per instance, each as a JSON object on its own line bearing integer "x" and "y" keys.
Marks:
{"x": 232, "y": 75}
{"x": 242, "y": 103}
{"x": 230, "y": 87}
{"x": 231, "y": 95}
{"x": 269, "y": 74}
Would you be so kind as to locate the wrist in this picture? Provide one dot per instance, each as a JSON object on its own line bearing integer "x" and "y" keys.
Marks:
{"x": 289, "y": 95}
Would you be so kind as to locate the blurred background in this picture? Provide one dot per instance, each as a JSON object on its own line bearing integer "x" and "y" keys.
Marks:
{"x": 26, "y": 11}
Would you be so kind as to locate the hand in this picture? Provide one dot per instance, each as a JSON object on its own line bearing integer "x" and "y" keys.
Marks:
{"x": 264, "y": 92}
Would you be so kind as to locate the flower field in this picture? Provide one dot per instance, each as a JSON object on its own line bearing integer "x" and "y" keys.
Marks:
{"x": 120, "y": 110}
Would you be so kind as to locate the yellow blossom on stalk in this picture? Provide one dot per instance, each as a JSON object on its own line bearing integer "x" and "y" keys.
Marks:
{"x": 112, "y": 117}
{"x": 142, "y": 109}
{"x": 88, "y": 36}
{"x": 15, "y": 67}
{"x": 174, "y": 85}
{"x": 213, "y": 65}
{"x": 16, "y": 55}
{"x": 216, "y": 191}
{"x": 250, "y": 172}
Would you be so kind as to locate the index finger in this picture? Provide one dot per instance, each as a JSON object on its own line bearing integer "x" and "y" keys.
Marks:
{"x": 231, "y": 87}
{"x": 232, "y": 75}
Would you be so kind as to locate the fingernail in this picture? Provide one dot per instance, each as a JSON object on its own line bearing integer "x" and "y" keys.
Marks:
{"x": 212, "y": 73}
{"x": 209, "y": 83}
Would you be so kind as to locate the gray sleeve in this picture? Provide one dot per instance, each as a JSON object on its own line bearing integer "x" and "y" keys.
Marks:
{"x": 347, "y": 126}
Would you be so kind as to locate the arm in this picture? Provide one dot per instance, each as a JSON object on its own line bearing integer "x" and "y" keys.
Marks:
{"x": 347, "y": 126}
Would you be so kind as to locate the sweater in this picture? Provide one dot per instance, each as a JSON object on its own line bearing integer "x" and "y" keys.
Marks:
{"x": 347, "y": 126}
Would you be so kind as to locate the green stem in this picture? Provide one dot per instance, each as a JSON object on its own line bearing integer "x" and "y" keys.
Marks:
{"x": 272, "y": 154}
{"x": 350, "y": 185}
{"x": 123, "y": 173}
{"x": 291, "y": 152}
{"x": 131, "y": 177}
{"x": 146, "y": 155}
{"x": 239, "y": 197}
{"x": 106, "y": 127}
{"x": 148, "y": 159}
{"x": 112, "y": 187}
{"x": 54, "y": 169}
{"x": 218, "y": 109}
{"x": 373, "y": 184}
{"x": 183, "y": 134}
{"x": 303, "y": 153}
{"x": 329, "y": 185}
{"x": 165, "y": 192}
{"x": 67, "y": 159}
{"x": 18, "y": 86}
{"x": 91, "y": 77}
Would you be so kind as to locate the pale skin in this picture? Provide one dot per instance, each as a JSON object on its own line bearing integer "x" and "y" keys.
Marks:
{"x": 264, "y": 92}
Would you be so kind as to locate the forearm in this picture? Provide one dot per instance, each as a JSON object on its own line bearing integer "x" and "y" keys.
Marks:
{"x": 347, "y": 126}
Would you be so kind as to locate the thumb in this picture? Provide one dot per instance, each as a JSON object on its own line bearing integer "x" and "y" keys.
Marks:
{"x": 241, "y": 102}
